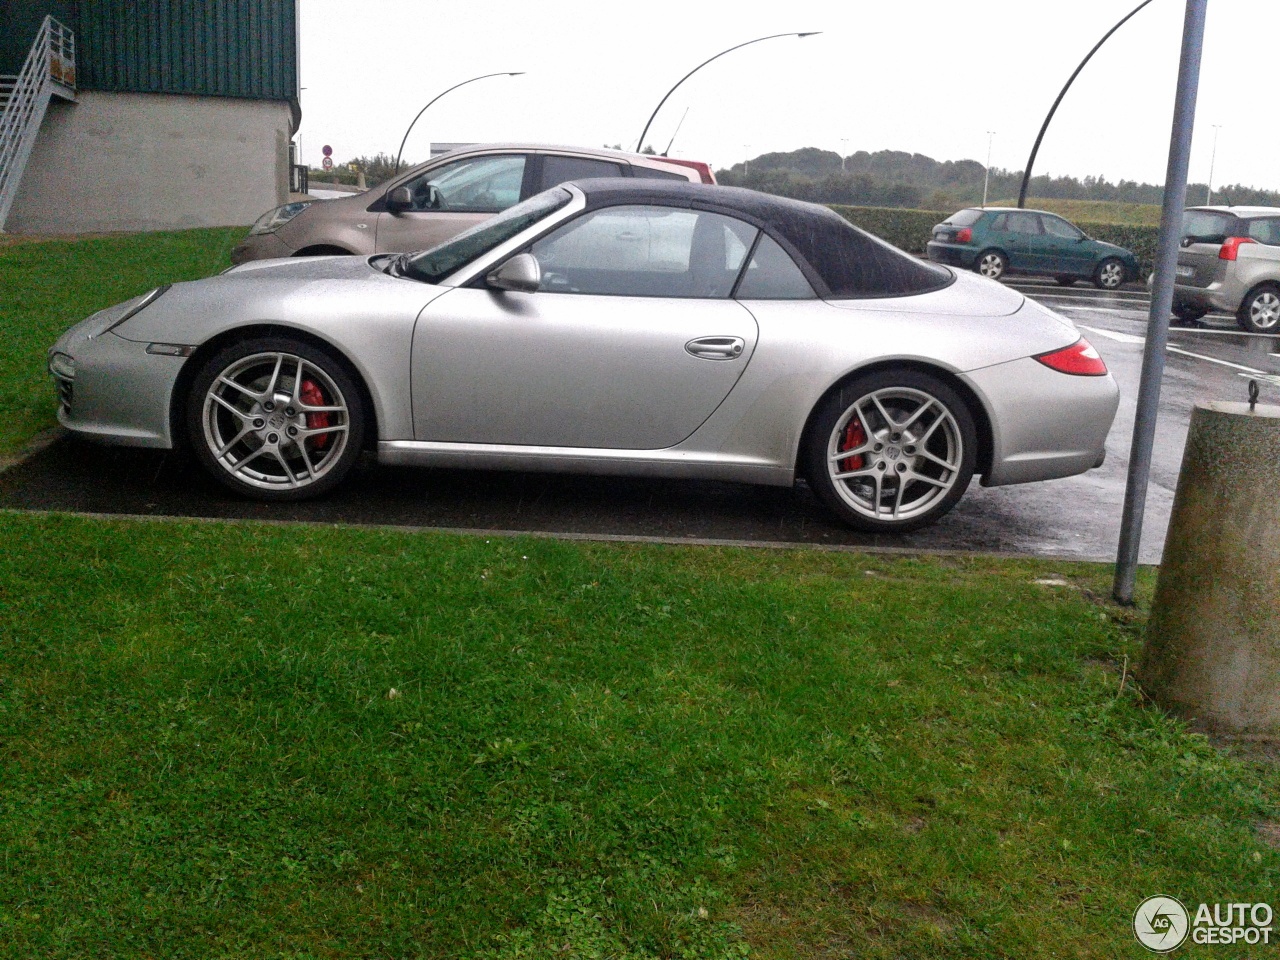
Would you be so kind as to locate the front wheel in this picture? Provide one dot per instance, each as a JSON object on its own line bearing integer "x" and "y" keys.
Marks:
{"x": 1109, "y": 275}
{"x": 891, "y": 451}
{"x": 276, "y": 419}
{"x": 1260, "y": 311}
{"x": 992, "y": 264}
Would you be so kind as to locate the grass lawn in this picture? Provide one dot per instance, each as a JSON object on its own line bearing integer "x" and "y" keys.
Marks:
{"x": 46, "y": 286}
{"x": 264, "y": 741}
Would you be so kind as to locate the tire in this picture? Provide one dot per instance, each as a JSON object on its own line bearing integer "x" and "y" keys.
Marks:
{"x": 1187, "y": 313}
{"x": 275, "y": 418}
{"x": 882, "y": 484}
{"x": 991, "y": 264}
{"x": 1260, "y": 311}
{"x": 1065, "y": 281}
{"x": 1109, "y": 274}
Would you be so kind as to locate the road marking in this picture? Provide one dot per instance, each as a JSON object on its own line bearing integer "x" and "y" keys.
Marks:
{"x": 1174, "y": 348}
{"x": 1113, "y": 335}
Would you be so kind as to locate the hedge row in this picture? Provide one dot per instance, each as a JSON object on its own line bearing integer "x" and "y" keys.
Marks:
{"x": 910, "y": 229}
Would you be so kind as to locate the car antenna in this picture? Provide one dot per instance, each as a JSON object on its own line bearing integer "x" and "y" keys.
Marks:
{"x": 673, "y": 136}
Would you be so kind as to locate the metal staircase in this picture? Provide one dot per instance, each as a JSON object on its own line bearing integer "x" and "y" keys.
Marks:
{"x": 49, "y": 71}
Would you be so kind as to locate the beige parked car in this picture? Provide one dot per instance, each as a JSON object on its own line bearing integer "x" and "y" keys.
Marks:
{"x": 432, "y": 202}
{"x": 1230, "y": 261}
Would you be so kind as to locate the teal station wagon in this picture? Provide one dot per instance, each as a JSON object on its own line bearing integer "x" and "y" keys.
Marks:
{"x": 999, "y": 240}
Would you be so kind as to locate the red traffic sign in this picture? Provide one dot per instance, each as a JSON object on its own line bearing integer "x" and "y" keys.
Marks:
{"x": 327, "y": 163}
{"x": 327, "y": 150}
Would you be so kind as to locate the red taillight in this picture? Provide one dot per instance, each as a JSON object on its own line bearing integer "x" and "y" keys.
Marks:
{"x": 964, "y": 236}
{"x": 1231, "y": 247}
{"x": 704, "y": 169}
{"x": 1080, "y": 360}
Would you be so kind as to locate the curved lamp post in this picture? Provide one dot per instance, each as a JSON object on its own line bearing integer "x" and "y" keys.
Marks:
{"x": 772, "y": 36}
{"x": 1031, "y": 161}
{"x": 485, "y": 76}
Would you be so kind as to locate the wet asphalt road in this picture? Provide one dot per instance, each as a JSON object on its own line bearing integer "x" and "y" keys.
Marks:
{"x": 1075, "y": 518}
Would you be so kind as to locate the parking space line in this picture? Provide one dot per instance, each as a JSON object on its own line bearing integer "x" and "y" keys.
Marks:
{"x": 1113, "y": 335}
{"x": 1174, "y": 348}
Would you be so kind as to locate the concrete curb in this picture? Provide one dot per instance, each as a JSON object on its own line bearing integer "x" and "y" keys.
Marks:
{"x": 575, "y": 537}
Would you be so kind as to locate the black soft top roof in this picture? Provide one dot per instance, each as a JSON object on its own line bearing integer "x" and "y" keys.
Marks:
{"x": 840, "y": 260}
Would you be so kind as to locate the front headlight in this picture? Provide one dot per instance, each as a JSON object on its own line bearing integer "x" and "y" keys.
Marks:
{"x": 62, "y": 365}
{"x": 273, "y": 220}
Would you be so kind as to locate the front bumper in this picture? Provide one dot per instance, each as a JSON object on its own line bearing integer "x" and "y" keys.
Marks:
{"x": 952, "y": 254}
{"x": 119, "y": 393}
{"x": 263, "y": 246}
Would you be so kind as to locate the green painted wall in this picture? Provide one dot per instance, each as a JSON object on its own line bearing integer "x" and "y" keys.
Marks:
{"x": 227, "y": 48}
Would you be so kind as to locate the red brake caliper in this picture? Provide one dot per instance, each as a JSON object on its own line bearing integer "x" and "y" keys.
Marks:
{"x": 310, "y": 395}
{"x": 854, "y": 437}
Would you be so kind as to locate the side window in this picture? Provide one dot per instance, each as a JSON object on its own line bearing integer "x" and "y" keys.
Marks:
{"x": 1001, "y": 223}
{"x": 772, "y": 275}
{"x": 1024, "y": 223}
{"x": 474, "y": 185}
{"x": 1265, "y": 231}
{"x": 643, "y": 251}
{"x": 653, "y": 173}
{"x": 557, "y": 170}
{"x": 1057, "y": 227}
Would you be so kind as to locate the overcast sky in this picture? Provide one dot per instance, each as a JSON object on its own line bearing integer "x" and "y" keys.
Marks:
{"x": 926, "y": 76}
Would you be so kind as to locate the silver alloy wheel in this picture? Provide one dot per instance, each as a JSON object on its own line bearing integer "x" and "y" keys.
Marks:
{"x": 991, "y": 266}
{"x": 1264, "y": 310}
{"x": 263, "y": 426}
{"x": 1111, "y": 274}
{"x": 895, "y": 454}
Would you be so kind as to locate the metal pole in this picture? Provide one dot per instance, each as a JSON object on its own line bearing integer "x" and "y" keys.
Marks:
{"x": 772, "y": 36}
{"x": 1175, "y": 194}
{"x": 1208, "y": 189}
{"x": 986, "y": 175}
{"x": 400, "y": 152}
{"x": 1031, "y": 161}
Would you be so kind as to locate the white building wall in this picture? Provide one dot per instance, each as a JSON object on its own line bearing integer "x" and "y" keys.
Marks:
{"x": 143, "y": 161}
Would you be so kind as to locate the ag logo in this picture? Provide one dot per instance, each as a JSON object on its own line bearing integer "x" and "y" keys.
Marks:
{"x": 1160, "y": 924}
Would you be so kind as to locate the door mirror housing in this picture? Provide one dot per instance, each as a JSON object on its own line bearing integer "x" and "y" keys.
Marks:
{"x": 399, "y": 199}
{"x": 521, "y": 274}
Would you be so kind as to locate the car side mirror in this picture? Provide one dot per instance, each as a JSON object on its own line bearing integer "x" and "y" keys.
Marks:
{"x": 521, "y": 274}
{"x": 399, "y": 199}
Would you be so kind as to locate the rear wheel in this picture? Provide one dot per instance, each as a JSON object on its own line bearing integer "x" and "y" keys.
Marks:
{"x": 1260, "y": 311}
{"x": 1109, "y": 275}
{"x": 276, "y": 419}
{"x": 891, "y": 451}
{"x": 992, "y": 264}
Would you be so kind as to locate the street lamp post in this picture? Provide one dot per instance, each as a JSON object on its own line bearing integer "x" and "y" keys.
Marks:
{"x": 485, "y": 76}
{"x": 772, "y": 36}
{"x": 1031, "y": 161}
{"x": 986, "y": 176}
{"x": 1208, "y": 190}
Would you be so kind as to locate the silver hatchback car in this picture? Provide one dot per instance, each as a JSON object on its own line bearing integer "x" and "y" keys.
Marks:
{"x": 1230, "y": 261}
{"x": 434, "y": 201}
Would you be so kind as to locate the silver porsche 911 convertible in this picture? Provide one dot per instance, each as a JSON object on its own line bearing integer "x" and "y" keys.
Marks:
{"x": 607, "y": 326}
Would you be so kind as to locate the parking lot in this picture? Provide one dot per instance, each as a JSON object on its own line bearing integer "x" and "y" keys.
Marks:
{"x": 1074, "y": 518}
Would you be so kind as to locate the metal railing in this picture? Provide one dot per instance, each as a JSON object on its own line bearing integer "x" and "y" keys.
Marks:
{"x": 49, "y": 70}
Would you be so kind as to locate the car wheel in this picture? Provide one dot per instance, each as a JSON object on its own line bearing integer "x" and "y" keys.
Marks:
{"x": 1109, "y": 275}
{"x": 992, "y": 264}
{"x": 891, "y": 451}
{"x": 1187, "y": 313}
{"x": 276, "y": 419}
{"x": 1066, "y": 281}
{"x": 1260, "y": 311}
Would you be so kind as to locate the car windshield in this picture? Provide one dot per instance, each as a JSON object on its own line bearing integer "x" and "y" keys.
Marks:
{"x": 1207, "y": 226}
{"x": 432, "y": 266}
{"x": 965, "y": 218}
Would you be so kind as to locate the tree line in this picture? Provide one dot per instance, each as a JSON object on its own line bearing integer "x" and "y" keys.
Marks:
{"x": 893, "y": 178}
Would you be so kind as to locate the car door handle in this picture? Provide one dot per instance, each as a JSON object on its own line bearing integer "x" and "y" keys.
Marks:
{"x": 716, "y": 348}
